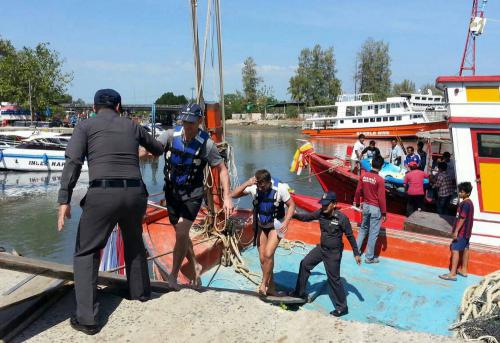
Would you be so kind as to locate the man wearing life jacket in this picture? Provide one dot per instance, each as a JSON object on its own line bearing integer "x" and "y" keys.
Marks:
{"x": 188, "y": 149}
{"x": 270, "y": 221}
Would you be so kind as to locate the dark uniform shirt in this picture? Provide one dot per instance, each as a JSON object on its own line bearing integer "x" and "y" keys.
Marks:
{"x": 332, "y": 227}
{"x": 110, "y": 144}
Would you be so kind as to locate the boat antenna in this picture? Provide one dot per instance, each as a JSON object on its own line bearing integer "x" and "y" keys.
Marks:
{"x": 476, "y": 27}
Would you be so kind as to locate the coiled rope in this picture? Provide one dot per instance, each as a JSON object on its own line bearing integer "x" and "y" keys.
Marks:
{"x": 479, "y": 316}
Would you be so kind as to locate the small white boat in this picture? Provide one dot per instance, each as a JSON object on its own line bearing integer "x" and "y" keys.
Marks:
{"x": 35, "y": 155}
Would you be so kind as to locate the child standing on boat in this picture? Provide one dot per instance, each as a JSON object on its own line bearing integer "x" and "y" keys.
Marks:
{"x": 462, "y": 230}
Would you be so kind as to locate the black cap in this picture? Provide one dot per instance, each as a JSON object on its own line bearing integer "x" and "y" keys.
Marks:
{"x": 327, "y": 198}
{"x": 108, "y": 97}
{"x": 191, "y": 113}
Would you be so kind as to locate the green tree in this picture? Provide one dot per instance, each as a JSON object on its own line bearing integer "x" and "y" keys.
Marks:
{"x": 373, "y": 72}
{"x": 170, "y": 98}
{"x": 265, "y": 96}
{"x": 250, "y": 80}
{"x": 314, "y": 81}
{"x": 406, "y": 86}
{"x": 432, "y": 87}
{"x": 234, "y": 103}
{"x": 38, "y": 70}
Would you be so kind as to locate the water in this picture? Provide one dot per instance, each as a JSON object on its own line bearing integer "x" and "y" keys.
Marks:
{"x": 28, "y": 201}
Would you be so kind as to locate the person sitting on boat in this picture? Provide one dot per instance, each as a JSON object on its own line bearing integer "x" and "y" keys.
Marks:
{"x": 445, "y": 188}
{"x": 188, "y": 149}
{"x": 414, "y": 186}
{"x": 357, "y": 154}
{"x": 411, "y": 157}
{"x": 270, "y": 221}
{"x": 423, "y": 155}
{"x": 371, "y": 150}
{"x": 396, "y": 154}
{"x": 462, "y": 230}
{"x": 371, "y": 187}
{"x": 333, "y": 224}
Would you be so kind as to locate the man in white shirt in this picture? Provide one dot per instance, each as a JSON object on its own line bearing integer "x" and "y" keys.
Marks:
{"x": 397, "y": 155}
{"x": 357, "y": 152}
{"x": 270, "y": 221}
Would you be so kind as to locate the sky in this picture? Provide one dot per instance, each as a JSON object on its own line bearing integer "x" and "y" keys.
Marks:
{"x": 144, "y": 48}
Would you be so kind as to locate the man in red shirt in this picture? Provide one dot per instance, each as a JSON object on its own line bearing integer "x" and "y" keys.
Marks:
{"x": 371, "y": 187}
{"x": 414, "y": 186}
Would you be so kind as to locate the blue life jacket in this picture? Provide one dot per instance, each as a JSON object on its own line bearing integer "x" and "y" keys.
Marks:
{"x": 266, "y": 205}
{"x": 183, "y": 164}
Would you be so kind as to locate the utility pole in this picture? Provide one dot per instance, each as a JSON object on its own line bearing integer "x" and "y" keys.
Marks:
{"x": 31, "y": 108}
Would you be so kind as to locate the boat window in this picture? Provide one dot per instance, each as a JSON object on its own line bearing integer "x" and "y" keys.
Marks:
{"x": 358, "y": 110}
{"x": 436, "y": 100}
{"x": 385, "y": 118}
{"x": 399, "y": 117}
{"x": 488, "y": 145}
{"x": 372, "y": 120}
{"x": 341, "y": 121}
{"x": 379, "y": 119}
{"x": 405, "y": 105}
{"x": 349, "y": 111}
{"x": 365, "y": 120}
{"x": 391, "y": 118}
{"x": 388, "y": 109}
{"x": 424, "y": 98}
{"x": 382, "y": 106}
{"x": 417, "y": 98}
{"x": 376, "y": 109}
{"x": 370, "y": 107}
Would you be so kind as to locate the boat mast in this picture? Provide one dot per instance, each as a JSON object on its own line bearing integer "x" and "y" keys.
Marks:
{"x": 196, "y": 52}
{"x": 219, "y": 54}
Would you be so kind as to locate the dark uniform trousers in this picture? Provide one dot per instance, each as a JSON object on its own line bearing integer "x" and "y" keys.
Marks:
{"x": 103, "y": 208}
{"x": 331, "y": 259}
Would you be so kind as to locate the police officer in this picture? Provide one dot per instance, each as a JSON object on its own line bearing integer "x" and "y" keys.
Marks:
{"x": 333, "y": 224}
{"x": 116, "y": 195}
{"x": 188, "y": 149}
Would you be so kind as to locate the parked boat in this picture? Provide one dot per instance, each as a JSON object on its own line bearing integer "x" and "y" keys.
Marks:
{"x": 425, "y": 102}
{"x": 359, "y": 114}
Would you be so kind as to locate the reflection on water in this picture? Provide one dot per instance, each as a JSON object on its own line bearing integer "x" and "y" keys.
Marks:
{"x": 28, "y": 201}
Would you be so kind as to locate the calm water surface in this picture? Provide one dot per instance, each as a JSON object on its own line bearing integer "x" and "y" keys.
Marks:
{"x": 28, "y": 206}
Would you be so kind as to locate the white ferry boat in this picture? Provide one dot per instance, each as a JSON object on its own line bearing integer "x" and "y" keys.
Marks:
{"x": 354, "y": 114}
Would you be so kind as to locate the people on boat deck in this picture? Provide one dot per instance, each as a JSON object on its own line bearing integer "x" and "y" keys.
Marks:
{"x": 411, "y": 157}
{"x": 371, "y": 188}
{"x": 270, "y": 220}
{"x": 371, "y": 150}
{"x": 423, "y": 155}
{"x": 116, "y": 195}
{"x": 414, "y": 186}
{"x": 451, "y": 165}
{"x": 396, "y": 154}
{"x": 188, "y": 149}
{"x": 462, "y": 230}
{"x": 445, "y": 188}
{"x": 333, "y": 224}
{"x": 357, "y": 153}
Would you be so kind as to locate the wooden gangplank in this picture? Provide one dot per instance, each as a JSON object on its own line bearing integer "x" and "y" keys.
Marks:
{"x": 65, "y": 272}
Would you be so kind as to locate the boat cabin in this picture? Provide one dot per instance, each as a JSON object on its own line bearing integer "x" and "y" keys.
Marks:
{"x": 474, "y": 122}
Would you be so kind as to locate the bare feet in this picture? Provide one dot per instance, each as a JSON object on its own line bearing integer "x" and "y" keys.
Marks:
{"x": 197, "y": 275}
{"x": 172, "y": 282}
{"x": 262, "y": 290}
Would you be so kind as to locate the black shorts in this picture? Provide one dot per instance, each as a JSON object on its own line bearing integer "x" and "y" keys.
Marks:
{"x": 187, "y": 209}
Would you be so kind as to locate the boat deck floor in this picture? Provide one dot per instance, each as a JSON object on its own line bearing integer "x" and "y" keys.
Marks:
{"x": 400, "y": 294}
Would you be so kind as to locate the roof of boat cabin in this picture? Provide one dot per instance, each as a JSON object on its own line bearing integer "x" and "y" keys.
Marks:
{"x": 441, "y": 80}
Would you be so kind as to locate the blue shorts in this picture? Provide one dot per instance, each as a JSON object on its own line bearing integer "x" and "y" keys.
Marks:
{"x": 460, "y": 244}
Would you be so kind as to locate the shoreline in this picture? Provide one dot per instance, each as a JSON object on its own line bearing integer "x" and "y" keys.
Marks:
{"x": 263, "y": 124}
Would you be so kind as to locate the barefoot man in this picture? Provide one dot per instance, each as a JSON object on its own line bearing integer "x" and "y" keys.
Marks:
{"x": 270, "y": 223}
{"x": 188, "y": 149}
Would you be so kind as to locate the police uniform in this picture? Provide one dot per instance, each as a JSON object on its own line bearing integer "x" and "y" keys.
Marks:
{"x": 184, "y": 166}
{"x": 329, "y": 251}
{"x": 116, "y": 195}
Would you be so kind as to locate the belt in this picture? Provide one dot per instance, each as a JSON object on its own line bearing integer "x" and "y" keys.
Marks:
{"x": 115, "y": 183}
